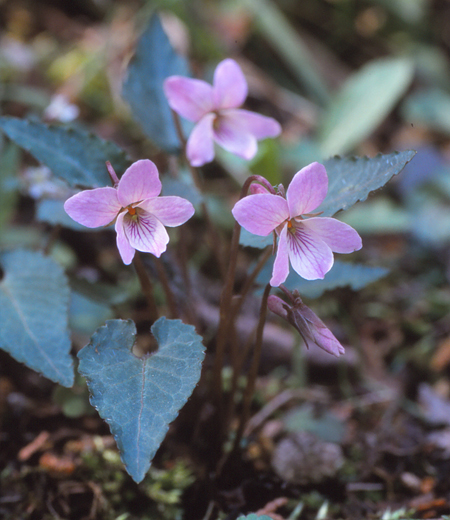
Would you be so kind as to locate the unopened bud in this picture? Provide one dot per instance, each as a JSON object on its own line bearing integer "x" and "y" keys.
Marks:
{"x": 311, "y": 328}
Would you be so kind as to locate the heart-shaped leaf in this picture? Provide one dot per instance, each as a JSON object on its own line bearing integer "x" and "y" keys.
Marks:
{"x": 34, "y": 299}
{"x": 153, "y": 62}
{"x": 351, "y": 179}
{"x": 73, "y": 154}
{"x": 140, "y": 397}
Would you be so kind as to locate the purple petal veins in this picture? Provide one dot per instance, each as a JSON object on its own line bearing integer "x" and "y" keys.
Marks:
{"x": 307, "y": 243}
{"x": 139, "y": 214}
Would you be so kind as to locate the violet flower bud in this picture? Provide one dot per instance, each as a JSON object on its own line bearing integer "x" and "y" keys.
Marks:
{"x": 309, "y": 325}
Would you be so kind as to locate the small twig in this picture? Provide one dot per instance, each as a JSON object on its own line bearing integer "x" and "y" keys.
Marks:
{"x": 147, "y": 286}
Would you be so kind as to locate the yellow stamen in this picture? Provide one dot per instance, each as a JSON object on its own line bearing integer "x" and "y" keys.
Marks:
{"x": 131, "y": 211}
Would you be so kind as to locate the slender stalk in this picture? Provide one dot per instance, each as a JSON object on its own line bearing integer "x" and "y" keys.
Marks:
{"x": 215, "y": 242}
{"x": 250, "y": 280}
{"x": 194, "y": 172}
{"x": 147, "y": 286}
{"x": 226, "y": 315}
{"x": 238, "y": 356}
{"x": 162, "y": 275}
{"x": 253, "y": 372}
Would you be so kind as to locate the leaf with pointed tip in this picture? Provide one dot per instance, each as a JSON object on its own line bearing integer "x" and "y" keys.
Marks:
{"x": 34, "y": 299}
{"x": 154, "y": 61}
{"x": 341, "y": 274}
{"x": 140, "y": 397}
{"x": 73, "y": 154}
{"x": 351, "y": 179}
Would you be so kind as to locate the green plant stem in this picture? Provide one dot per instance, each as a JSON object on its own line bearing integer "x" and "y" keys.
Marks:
{"x": 147, "y": 286}
{"x": 253, "y": 372}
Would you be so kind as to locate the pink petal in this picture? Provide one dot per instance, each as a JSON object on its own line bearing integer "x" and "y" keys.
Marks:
{"x": 125, "y": 250}
{"x": 146, "y": 233}
{"x": 93, "y": 208}
{"x": 191, "y": 98}
{"x": 307, "y": 189}
{"x": 278, "y": 306}
{"x": 310, "y": 257}
{"x": 261, "y": 214}
{"x": 281, "y": 265}
{"x": 230, "y": 85}
{"x": 257, "y": 189}
{"x": 231, "y": 134}
{"x": 259, "y": 126}
{"x": 200, "y": 145}
{"x": 171, "y": 211}
{"x": 339, "y": 237}
{"x": 139, "y": 182}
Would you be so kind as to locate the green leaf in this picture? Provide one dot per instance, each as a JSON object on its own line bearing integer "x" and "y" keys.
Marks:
{"x": 430, "y": 108}
{"x": 247, "y": 239}
{"x": 86, "y": 315}
{"x": 363, "y": 103}
{"x": 52, "y": 212}
{"x": 342, "y": 274}
{"x": 267, "y": 161}
{"x": 282, "y": 36}
{"x": 153, "y": 62}
{"x": 327, "y": 426}
{"x": 182, "y": 187}
{"x": 34, "y": 298}
{"x": 379, "y": 215}
{"x": 351, "y": 179}
{"x": 73, "y": 154}
{"x": 140, "y": 397}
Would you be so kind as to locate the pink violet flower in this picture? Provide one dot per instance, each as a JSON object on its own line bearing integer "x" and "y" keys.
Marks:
{"x": 311, "y": 328}
{"x": 307, "y": 243}
{"x": 140, "y": 215}
{"x": 214, "y": 109}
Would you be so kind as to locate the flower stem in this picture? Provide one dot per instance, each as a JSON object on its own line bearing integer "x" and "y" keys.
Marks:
{"x": 215, "y": 242}
{"x": 162, "y": 275}
{"x": 253, "y": 372}
{"x": 112, "y": 174}
{"x": 147, "y": 286}
{"x": 226, "y": 312}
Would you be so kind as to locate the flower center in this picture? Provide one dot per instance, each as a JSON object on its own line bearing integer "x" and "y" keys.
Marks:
{"x": 131, "y": 211}
{"x": 291, "y": 225}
